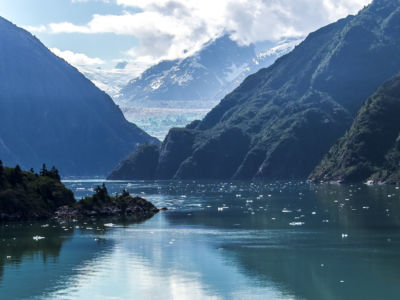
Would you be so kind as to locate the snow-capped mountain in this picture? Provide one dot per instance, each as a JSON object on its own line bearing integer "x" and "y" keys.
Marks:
{"x": 173, "y": 93}
{"x": 208, "y": 75}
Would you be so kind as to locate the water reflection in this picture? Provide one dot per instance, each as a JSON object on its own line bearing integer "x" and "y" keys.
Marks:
{"x": 32, "y": 267}
{"x": 230, "y": 240}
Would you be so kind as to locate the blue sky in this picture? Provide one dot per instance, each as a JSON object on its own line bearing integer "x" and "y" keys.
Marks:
{"x": 93, "y": 33}
{"x": 106, "y": 46}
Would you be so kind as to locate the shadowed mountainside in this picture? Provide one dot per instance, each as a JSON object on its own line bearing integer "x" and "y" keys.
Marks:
{"x": 49, "y": 112}
{"x": 281, "y": 121}
{"x": 371, "y": 148}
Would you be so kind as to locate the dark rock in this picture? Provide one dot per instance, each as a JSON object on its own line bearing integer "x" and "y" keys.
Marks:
{"x": 119, "y": 206}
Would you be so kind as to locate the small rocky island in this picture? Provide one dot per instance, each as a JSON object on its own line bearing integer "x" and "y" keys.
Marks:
{"x": 30, "y": 196}
{"x": 101, "y": 204}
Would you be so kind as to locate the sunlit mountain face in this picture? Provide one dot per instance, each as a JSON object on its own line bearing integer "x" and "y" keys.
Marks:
{"x": 175, "y": 92}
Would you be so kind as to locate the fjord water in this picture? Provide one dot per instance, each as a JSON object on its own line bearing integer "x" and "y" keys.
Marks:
{"x": 229, "y": 240}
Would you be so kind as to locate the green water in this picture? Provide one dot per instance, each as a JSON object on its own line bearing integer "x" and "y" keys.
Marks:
{"x": 231, "y": 240}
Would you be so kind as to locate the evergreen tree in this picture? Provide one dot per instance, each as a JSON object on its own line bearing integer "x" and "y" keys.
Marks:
{"x": 43, "y": 171}
{"x": 16, "y": 175}
{"x": 100, "y": 193}
{"x": 53, "y": 173}
{"x": 1, "y": 173}
{"x": 125, "y": 193}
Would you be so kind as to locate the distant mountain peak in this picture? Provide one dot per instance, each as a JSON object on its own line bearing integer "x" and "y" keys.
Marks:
{"x": 206, "y": 75}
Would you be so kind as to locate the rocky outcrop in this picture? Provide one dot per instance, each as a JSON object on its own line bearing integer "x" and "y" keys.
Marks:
{"x": 120, "y": 206}
{"x": 29, "y": 196}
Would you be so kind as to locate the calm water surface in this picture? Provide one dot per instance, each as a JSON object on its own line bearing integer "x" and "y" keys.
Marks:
{"x": 230, "y": 240}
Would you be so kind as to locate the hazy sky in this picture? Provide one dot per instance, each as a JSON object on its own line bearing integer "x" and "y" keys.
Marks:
{"x": 103, "y": 32}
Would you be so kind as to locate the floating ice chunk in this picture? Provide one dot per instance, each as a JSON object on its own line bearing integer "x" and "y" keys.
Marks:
{"x": 37, "y": 238}
{"x": 109, "y": 225}
{"x": 325, "y": 221}
{"x": 344, "y": 235}
{"x": 285, "y": 211}
{"x": 365, "y": 207}
{"x": 45, "y": 225}
{"x": 296, "y": 223}
{"x": 313, "y": 213}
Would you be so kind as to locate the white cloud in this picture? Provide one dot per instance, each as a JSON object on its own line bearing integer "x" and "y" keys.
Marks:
{"x": 77, "y": 59}
{"x": 78, "y": 1}
{"x": 169, "y": 29}
{"x": 40, "y": 28}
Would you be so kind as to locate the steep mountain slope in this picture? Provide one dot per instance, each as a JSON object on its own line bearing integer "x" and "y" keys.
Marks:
{"x": 371, "y": 148}
{"x": 281, "y": 121}
{"x": 50, "y": 113}
{"x": 207, "y": 75}
{"x": 144, "y": 160}
{"x": 174, "y": 93}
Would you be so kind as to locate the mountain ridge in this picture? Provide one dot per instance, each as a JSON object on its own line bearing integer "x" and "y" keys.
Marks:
{"x": 208, "y": 74}
{"x": 285, "y": 118}
{"x": 50, "y": 113}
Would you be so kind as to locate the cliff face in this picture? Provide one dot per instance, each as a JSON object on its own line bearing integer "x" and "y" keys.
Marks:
{"x": 50, "y": 113}
{"x": 371, "y": 148}
{"x": 281, "y": 121}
